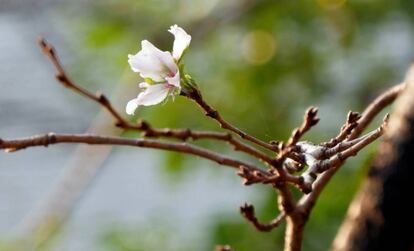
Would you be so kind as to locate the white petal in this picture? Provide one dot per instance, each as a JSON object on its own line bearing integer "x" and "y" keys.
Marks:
{"x": 175, "y": 81}
{"x": 131, "y": 106}
{"x": 143, "y": 85}
{"x": 181, "y": 42}
{"x": 153, "y": 63}
{"x": 153, "y": 95}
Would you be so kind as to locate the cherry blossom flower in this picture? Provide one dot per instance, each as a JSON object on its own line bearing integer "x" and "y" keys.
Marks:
{"x": 159, "y": 68}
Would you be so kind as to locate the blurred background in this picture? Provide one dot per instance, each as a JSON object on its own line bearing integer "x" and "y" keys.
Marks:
{"x": 261, "y": 63}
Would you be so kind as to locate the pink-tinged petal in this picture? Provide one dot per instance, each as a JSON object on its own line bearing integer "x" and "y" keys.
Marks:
{"x": 146, "y": 66}
{"x": 153, "y": 63}
{"x": 131, "y": 106}
{"x": 153, "y": 95}
{"x": 181, "y": 41}
{"x": 175, "y": 81}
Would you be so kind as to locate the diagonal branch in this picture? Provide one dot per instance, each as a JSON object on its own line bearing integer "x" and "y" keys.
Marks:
{"x": 196, "y": 96}
{"x": 351, "y": 122}
{"x": 376, "y": 107}
{"x": 185, "y": 134}
{"x": 64, "y": 79}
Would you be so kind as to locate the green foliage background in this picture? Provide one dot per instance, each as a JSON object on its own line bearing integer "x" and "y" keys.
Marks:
{"x": 261, "y": 63}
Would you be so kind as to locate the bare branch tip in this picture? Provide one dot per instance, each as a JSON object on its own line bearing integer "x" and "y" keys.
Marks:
{"x": 247, "y": 210}
{"x": 312, "y": 111}
{"x": 353, "y": 117}
{"x": 42, "y": 42}
{"x": 45, "y": 46}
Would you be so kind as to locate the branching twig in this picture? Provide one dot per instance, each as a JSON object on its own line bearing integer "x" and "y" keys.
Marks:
{"x": 340, "y": 153}
{"x": 370, "y": 112}
{"x": 247, "y": 210}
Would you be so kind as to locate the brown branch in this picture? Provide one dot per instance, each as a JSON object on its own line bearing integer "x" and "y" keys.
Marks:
{"x": 52, "y": 138}
{"x": 253, "y": 177}
{"x": 287, "y": 203}
{"x": 350, "y": 123}
{"x": 297, "y": 219}
{"x": 330, "y": 167}
{"x": 341, "y": 154}
{"x": 64, "y": 79}
{"x": 247, "y": 210}
{"x": 341, "y": 147}
{"x": 145, "y": 127}
{"x": 288, "y": 150}
{"x": 196, "y": 96}
{"x": 309, "y": 120}
{"x": 185, "y": 134}
{"x": 376, "y": 107}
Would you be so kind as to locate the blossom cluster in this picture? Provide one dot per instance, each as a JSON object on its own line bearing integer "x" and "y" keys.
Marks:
{"x": 160, "y": 70}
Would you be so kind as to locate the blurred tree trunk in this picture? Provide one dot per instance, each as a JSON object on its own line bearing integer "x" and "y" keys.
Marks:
{"x": 381, "y": 216}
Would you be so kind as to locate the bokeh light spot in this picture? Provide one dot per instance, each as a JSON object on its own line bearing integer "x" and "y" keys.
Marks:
{"x": 258, "y": 47}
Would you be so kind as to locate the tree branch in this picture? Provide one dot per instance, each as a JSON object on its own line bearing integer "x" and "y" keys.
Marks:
{"x": 338, "y": 154}
{"x": 196, "y": 96}
{"x": 52, "y": 138}
{"x": 368, "y": 115}
{"x": 376, "y": 107}
{"x": 64, "y": 79}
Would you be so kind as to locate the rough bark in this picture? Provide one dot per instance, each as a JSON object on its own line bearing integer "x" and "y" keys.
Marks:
{"x": 381, "y": 216}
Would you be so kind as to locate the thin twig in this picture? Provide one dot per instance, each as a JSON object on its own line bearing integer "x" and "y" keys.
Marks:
{"x": 376, "y": 107}
{"x": 248, "y": 212}
{"x": 63, "y": 78}
{"x": 253, "y": 177}
{"x": 185, "y": 134}
{"x": 350, "y": 123}
{"x": 196, "y": 96}
{"x": 310, "y": 119}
